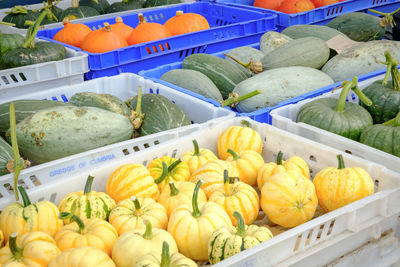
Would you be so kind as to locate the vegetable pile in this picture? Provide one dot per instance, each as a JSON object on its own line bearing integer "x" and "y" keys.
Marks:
{"x": 153, "y": 214}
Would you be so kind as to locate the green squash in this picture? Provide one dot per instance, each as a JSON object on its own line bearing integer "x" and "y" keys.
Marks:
{"x": 10, "y": 41}
{"x": 18, "y": 15}
{"x": 160, "y": 114}
{"x": 100, "y": 5}
{"x": 358, "y": 26}
{"x": 194, "y": 81}
{"x": 385, "y": 137}
{"x": 124, "y": 6}
{"x": 385, "y": 97}
{"x": 337, "y": 116}
{"x": 245, "y": 54}
{"x": 272, "y": 40}
{"x": 6, "y": 155}
{"x": 151, "y": 3}
{"x": 223, "y": 73}
{"x": 78, "y": 12}
{"x": 228, "y": 241}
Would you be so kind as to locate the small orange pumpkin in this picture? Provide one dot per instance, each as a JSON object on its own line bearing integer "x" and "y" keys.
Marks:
{"x": 146, "y": 32}
{"x": 295, "y": 6}
{"x": 248, "y": 163}
{"x": 72, "y": 34}
{"x": 268, "y": 4}
{"x": 103, "y": 40}
{"x": 185, "y": 23}
{"x": 121, "y": 28}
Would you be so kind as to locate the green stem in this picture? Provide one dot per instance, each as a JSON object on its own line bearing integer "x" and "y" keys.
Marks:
{"x": 14, "y": 143}
{"x": 227, "y": 190}
{"x": 395, "y": 121}
{"x": 246, "y": 65}
{"x": 196, "y": 211}
{"x": 163, "y": 174}
{"x": 138, "y": 116}
{"x": 66, "y": 215}
{"x": 136, "y": 202}
{"x": 340, "y": 161}
{"x": 88, "y": 185}
{"x": 233, "y": 153}
{"x": 148, "y": 234}
{"x": 393, "y": 71}
{"x": 279, "y": 158}
{"x": 173, "y": 189}
{"x": 388, "y": 17}
{"x": 15, "y": 250}
{"x": 7, "y": 23}
{"x": 196, "y": 148}
{"x": 165, "y": 257}
{"x": 235, "y": 98}
{"x": 29, "y": 42}
{"x": 25, "y": 197}
{"x": 18, "y": 10}
{"x": 347, "y": 85}
{"x": 253, "y": 66}
{"x": 173, "y": 165}
{"x": 245, "y": 123}
{"x": 362, "y": 96}
{"x": 241, "y": 228}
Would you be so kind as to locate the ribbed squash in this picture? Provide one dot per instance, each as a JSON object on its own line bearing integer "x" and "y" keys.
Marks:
{"x": 133, "y": 213}
{"x": 337, "y": 187}
{"x": 132, "y": 245}
{"x": 72, "y": 34}
{"x": 6, "y": 157}
{"x": 10, "y": 41}
{"x": 166, "y": 169}
{"x": 84, "y": 256}
{"x": 131, "y": 180}
{"x": 183, "y": 23}
{"x": 78, "y": 12}
{"x": 36, "y": 249}
{"x": 239, "y": 138}
{"x": 237, "y": 196}
{"x": 100, "y": 5}
{"x": 27, "y": 217}
{"x": 18, "y": 15}
{"x": 294, "y": 163}
{"x": 124, "y": 5}
{"x": 165, "y": 259}
{"x": 248, "y": 163}
{"x": 212, "y": 175}
{"x": 103, "y": 40}
{"x": 188, "y": 221}
{"x": 179, "y": 193}
{"x": 147, "y": 31}
{"x": 95, "y": 232}
{"x": 228, "y": 241}
{"x": 121, "y": 28}
{"x": 288, "y": 199}
{"x": 87, "y": 204}
{"x": 197, "y": 158}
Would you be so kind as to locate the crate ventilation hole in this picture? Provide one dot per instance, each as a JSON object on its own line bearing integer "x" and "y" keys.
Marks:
{"x": 334, "y": 11}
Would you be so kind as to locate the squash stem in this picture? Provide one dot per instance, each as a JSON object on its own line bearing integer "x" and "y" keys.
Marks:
{"x": 234, "y": 99}
{"x": 395, "y": 121}
{"x": 196, "y": 149}
{"x": 387, "y": 17}
{"x": 245, "y": 123}
{"x": 18, "y": 10}
{"x": 7, "y": 23}
{"x": 50, "y": 14}
{"x": 253, "y": 66}
{"x": 241, "y": 228}
{"x": 15, "y": 250}
{"x": 196, "y": 211}
{"x": 173, "y": 165}
{"x": 163, "y": 174}
{"x": 362, "y": 96}
{"x": 25, "y": 197}
{"x": 173, "y": 189}
{"x": 226, "y": 184}
{"x": 14, "y": 143}
{"x": 340, "y": 161}
{"x": 137, "y": 118}
{"x": 279, "y": 158}
{"x": 138, "y": 207}
{"x": 67, "y": 215}
{"x": 347, "y": 85}
{"x": 107, "y": 26}
{"x": 29, "y": 42}
{"x": 148, "y": 234}
{"x": 233, "y": 153}
{"x": 75, "y": 3}
{"x": 141, "y": 18}
{"x": 88, "y": 185}
{"x": 165, "y": 257}
{"x": 393, "y": 71}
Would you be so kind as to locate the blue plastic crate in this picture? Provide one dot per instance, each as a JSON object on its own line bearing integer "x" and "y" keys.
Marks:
{"x": 261, "y": 115}
{"x": 321, "y": 15}
{"x": 229, "y": 27}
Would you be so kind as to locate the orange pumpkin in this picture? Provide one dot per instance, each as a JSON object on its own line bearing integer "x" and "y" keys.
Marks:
{"x": 103, "y": 40}
{"x": 146, "y": 32}
{"x": 131, "y": 180}
{"x": 72, "y": 34}
{"x": 268, "y": 4}
{"x": 248, "y": 163}
{"x": 185, "y": 23}
{"x": 295, "y": 6}
{"x": 121, "y": 28}
{"x": 319, "y": 3}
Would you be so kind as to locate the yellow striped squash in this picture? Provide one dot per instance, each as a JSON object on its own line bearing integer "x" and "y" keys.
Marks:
{"x": 248, "y": 163}
{"x": 197, "y": 157}
{"x": 166, "y": 169}
{"x": 84, "y": 256}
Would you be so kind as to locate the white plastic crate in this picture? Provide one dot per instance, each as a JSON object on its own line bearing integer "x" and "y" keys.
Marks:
{"x": 123, "y": 86}
{"x": 285, "y": 118}
{"x": 64, "y": 4}
{"x": 362, "y": 220}
{"x": 26, "y": 79}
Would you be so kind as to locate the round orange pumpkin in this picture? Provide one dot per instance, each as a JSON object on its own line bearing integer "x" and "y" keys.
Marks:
{"x": 103, "y": 40}
{"x": 268, "y": 4}
{"x": 183, "y": 23}
{"x": 337, "y": 187}
{"x": 121, "y": 28}
{"x": 295, "y": 6}
{"x": 146, "y": 32}
{"x": 248, "y": 163}
{"x": 131, "y": 180}
{"x": 72, "y": 34}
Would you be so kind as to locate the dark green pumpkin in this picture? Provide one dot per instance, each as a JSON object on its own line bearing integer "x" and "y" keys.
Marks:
{"x": 19, "y": 15}
{"x": 150, "y": 3}
{"x": 385, "y": 137}
{"x": 57, "y": 13}
{"x": 160, "y": 114}
{"x": 10, "y": 41}
{"x": 124, "y": 6}
{"x": 385, "y": 96}
{"x": 6, "y": 154}
{"x": 337, "y": 116}
{"x": 78, "y": 12}
{"x": 100, "y": 5}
